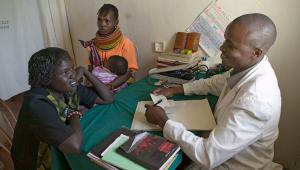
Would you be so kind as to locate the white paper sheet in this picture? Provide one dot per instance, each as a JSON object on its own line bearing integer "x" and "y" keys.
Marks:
{"x": 193, "y": 114}
{"x": 156, "y": 99}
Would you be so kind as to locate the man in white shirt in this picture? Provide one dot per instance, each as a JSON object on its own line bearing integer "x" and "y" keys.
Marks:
{"x": 248, "y": 109}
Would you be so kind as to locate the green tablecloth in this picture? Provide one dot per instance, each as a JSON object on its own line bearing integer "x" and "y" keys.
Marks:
{"x": 100, "y": 121}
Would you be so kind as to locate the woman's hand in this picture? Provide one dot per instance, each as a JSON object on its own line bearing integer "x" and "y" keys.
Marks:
{"x": 156, "y": 115}
{"x": 168, "y": 92}
{"x": 104, "y": 93}
{"x": 80, "y": 72}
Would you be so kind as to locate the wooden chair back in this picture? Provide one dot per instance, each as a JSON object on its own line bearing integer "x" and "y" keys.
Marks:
{"x": 7, "y": 124}
{"x": 9, "y": 111}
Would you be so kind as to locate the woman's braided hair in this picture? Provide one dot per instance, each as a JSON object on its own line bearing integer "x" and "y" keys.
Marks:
{"x": 41, "y": 64}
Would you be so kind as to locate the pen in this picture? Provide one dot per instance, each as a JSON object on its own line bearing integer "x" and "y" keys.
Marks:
{"x": 158, "y": 102}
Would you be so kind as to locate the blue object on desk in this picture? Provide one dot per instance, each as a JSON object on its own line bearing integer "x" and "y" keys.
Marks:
{"x": 100, "y": 121}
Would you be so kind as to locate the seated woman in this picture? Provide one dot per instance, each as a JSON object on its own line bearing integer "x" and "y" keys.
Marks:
{"x": 49, "y": 113}
{"x": 110, "y": 41}
{"x": 115, "y": 67}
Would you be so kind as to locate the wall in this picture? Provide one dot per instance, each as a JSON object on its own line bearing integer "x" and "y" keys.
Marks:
{"x": 20, "y": 36}
{"x": 158, "y": 20}
{"x": 284, "y": 56}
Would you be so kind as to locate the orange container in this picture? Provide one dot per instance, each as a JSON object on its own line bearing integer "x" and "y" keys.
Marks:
{"x": 180, "y": 42}
{"x": 192, "y": 41}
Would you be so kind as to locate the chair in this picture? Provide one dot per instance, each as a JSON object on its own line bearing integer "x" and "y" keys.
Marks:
{"x": 7, "y": 123}
{"x": 9, "y": 111}
{"x": 14, "y": 104}
{"x": 5, "y": 159}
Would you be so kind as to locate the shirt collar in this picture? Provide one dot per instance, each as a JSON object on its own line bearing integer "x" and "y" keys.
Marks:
{"x": 234, "y": 79}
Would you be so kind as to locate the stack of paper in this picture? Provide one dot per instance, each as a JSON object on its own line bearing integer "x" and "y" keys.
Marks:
{"x": 179, "y": 58}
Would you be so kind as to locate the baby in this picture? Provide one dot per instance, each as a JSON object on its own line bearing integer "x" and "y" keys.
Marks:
{"x": 115, "y": 67}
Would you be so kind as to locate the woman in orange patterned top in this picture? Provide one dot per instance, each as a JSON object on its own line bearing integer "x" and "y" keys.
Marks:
{"x": 110, "y": 41}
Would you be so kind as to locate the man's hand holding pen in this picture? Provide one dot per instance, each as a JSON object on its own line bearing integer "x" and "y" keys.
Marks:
{"x": 155, "y": 114}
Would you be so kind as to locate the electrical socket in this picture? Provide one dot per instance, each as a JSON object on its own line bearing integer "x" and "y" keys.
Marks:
{"x": 159, "y": 46}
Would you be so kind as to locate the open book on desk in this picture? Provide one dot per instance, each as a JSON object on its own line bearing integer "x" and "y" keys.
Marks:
{"x": 193, "y": 114}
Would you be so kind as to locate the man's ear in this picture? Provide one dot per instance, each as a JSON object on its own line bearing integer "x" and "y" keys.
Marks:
{"x": 257, "y": 52}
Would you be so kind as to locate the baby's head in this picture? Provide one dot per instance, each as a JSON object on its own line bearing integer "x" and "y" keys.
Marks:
{"x": 117, "y": 65}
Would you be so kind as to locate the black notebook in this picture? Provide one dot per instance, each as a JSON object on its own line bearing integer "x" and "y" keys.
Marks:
{"x": 149, "y": 150}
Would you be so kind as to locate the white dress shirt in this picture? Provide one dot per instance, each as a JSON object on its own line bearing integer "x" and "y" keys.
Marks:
{"x": 247, "y": 115}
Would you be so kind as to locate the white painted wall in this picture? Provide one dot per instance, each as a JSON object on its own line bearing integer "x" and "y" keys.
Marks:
{"x": 145, "y": 21}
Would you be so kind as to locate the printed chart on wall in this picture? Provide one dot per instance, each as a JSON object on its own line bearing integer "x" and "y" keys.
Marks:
{"x": 212, "y": 22}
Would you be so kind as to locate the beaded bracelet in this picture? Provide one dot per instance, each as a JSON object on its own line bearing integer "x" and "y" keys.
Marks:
{"x": 74, "y": 113}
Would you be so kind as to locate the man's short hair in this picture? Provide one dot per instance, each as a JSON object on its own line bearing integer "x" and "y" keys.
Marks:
{"x": 262, "y": 30}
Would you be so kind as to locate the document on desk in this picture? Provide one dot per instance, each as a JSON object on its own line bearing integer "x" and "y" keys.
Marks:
{"x": 193, "y": 114}
{"x": 160, "y": 100}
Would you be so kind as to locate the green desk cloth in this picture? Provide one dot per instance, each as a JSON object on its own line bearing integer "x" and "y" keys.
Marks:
{"x": 100, "y": 121}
